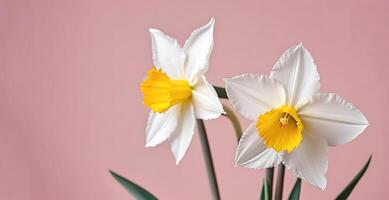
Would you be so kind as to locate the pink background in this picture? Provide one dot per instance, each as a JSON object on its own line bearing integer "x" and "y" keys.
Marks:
{"x": 71, "y": 108}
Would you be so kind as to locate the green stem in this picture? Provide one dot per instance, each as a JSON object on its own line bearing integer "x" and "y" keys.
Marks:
{"x": 269, "y": 178}
{"x": 280, "y": 182}
{"x": 221, "y": 92}
{"x": 234, "y": 120}
{"x": 208, "y": 160}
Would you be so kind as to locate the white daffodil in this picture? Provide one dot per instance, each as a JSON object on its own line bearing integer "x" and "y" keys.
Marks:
{"x": 293, "y": 122}
{"x": 176, "y": 90}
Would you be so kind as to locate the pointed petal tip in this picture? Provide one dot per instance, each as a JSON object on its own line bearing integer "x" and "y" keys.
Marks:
{"x": 151, "y": 142}
{"x": 148, "y": 145}
{"x": 210, "y": 25}
{"x": 177, "y": 157}
{"x": 323, "y": 186}
{"x": 212, "y": 21}
{"x": 300, "y": 46}
{"x": 366, "y": 121}
{"x": 153, "y": 30}
{"x": 238, "y": 161}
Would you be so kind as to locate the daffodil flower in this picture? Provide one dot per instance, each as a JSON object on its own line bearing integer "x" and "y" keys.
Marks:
{"x": 293, "y": 122}
{"x": 176, "y": 90}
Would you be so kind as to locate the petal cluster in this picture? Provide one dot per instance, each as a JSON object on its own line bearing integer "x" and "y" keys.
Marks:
{"x": 327, "y": 118}
{"x": 173, "y": 116}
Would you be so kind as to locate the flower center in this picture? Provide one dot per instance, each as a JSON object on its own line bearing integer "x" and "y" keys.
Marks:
{"x": 280, "y": 128}
{"x": 161, "y": 93}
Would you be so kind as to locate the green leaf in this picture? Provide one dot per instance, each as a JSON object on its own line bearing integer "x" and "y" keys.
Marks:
{"x": 138, "y": 192}
{"x": 265, "y": 194}
{"x": 347, "y": 191}
{"x": 295, "y": 194}
{"x": 221, "y": 92}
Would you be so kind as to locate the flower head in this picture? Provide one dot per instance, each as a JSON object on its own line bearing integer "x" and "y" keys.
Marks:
{"x": 176, "y": 90}
{"x": 293, "y": 122}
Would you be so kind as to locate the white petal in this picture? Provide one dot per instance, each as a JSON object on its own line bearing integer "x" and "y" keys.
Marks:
{"x": 180, "y": 139}
{"x": 253, "y": 95}
{"x": 309, "y": 160}
{"x": 332, "y": 117}
{"x": 198, "y": 47}
{"x": 205, "y": 100}
{"x": 253, "y": 153}
{"x": 298, "y": 74}
{"x": 167, "y": 54}
{"x": 160, "y": 126}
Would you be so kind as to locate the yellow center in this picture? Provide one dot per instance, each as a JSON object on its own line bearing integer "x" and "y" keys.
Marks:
{"x": 160, "y": 92}
{"x": 280, "y": 128}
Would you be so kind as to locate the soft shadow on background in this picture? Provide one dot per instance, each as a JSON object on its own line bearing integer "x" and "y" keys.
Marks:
{"x": 71, "y": 107}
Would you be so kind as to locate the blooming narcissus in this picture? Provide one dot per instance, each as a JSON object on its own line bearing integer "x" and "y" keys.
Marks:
{"x": 293, "y": 122}
{"x": 176, "y": 90}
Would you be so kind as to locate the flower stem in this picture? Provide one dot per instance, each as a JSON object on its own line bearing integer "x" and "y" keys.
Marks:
{"x": 234, "y": 120}
{"x": 208, "y": 160}
{"x": 269, "y": 178}
{"x": 280, "y": 182}
{"x": 221, "y": 92}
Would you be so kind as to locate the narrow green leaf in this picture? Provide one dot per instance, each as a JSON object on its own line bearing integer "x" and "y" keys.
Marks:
{"x": 138, "y": 192}
{"x": 221, "y": 92}
{"x": 265, "y": 193}
{"x": 347, "y": 191}
{"x": 295, "y": 194}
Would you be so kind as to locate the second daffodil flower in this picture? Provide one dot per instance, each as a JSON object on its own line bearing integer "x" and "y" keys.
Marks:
{"x": 293, "y": 122}
{"x": 176, "y": 90}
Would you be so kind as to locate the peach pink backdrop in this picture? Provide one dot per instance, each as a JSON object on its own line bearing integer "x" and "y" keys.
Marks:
{"x": 70, "y": 105}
